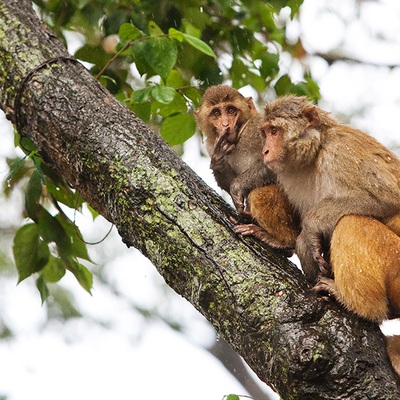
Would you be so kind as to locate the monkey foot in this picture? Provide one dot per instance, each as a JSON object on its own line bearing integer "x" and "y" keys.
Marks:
{"x": 326, "y": 285}
{"x": 249, "y": 229}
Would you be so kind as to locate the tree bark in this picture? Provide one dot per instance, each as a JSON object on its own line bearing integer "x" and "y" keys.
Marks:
{"x": 302, "y": 346}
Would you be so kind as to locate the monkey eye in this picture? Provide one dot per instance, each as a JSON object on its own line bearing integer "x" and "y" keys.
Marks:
{"x": 231, "y": 110}
{"x": 216, "y": 113}
{"x": 273, "y": 130}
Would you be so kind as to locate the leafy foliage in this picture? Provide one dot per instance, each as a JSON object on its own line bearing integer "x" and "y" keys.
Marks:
{"x": 51, "y": 243}
{"x": 156, "y": 57}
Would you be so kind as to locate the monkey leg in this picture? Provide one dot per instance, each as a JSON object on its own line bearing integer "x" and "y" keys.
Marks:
{"x": 269, "y": 206}
{"x": 366, "y": 265}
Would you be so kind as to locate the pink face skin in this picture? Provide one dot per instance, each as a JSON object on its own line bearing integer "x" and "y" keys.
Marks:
{"x": 273, "y": 149}
{"x": 224, "y": 118}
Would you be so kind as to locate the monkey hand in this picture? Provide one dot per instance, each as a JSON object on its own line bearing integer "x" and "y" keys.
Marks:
{"x": 222, "y": 148}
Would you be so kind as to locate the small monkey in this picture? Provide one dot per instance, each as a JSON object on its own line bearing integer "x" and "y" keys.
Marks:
{"x": 365, "y": 260}
{"x": 230, "y": 123}
{"x": 327, "y": 170}
{"x": 226, "y": 118}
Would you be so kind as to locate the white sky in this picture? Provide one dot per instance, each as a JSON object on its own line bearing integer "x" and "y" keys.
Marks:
{"x": 139, "y": 360}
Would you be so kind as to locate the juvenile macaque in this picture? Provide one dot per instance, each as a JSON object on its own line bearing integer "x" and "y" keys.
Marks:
{"x": 365, "y": 260}
{"x": 231, "y": 125}
{"x": 227, "y": 118}
{"x": 327, "y": 170}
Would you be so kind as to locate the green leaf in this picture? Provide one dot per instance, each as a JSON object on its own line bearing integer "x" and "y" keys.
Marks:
{"x": 163, "y": 94}
{"x": 64, "y": 194}
{"x": 178, "y": 106}
{"x": 283, "y": 85}
{"x": 18, "y": 171}
{"x": 43, "y": 289}
{"x": 154, "y": 29}
{"x": 199, "y": 45}
{"x": 178, "y": 128}
{"x": 93, "y": 54}
{"x": 78, "y": 246}
{"x": 32, "y": 196}
{"x": 270, "y": 64}
{"x": 175, "y": 34}
{"x": 141, "y": 95}
{"x": 161, "y": 54}
{"x": 174, "y": 79}
{"x": 30, "y": 252}
{"x": 142, "y": 110}
{"x": 193, "y": 94}
{"x": 52, "y": 231}
{"x": 232, "y": 397}
{"x": 82, "y": 274}
{"x": 128, "y": 32}
{"x": 294, "y": 6}
{"x": 54, "y": 270}
{"x": 93, "y": 212}
{"x": 138, "y": 52}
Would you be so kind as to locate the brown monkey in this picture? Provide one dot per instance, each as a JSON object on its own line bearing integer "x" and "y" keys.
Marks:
{"x": 226, "y": 117}
{"x": 327, "y": 170}
{"x": 365, "y": 259}
{"x": 230, "y": 123}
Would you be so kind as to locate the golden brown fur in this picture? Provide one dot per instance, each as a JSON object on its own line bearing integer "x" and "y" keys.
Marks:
{"x": 269, "y": 206}
{"x": 327, "y": 170}
{"x": 231, "y": 125}
{"x": 365, "y": 259}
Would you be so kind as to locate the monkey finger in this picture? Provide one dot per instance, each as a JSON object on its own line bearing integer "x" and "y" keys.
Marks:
{"x": 246, "y": 229}
{"x": 233, "y": 220}
{"x": 223, "y": 146}
{"x": 325, "y": 285}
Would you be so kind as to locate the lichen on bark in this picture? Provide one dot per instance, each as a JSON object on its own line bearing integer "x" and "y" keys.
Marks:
{"x": 303, "y": 346}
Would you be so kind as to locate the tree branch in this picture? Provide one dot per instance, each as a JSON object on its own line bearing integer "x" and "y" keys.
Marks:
{"x": 304, "y": 347}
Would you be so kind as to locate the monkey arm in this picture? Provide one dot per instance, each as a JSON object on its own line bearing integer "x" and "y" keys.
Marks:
{"x": 222, "y": 170}
{"x": 254, "y": 177}
{"x": 223, "y": 173}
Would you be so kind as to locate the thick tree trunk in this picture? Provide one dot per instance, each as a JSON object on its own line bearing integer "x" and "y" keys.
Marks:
{"x": 304, "y": 347}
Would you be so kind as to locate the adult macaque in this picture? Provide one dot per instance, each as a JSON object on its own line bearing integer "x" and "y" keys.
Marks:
{"x": 327, "y": 170}
{"x": 231, "y": 125}
{"x": 365, "y": 260}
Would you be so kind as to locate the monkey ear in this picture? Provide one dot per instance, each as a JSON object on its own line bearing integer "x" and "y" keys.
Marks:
{"x": 251, "y": 105}
{"x": 312, "y": 114}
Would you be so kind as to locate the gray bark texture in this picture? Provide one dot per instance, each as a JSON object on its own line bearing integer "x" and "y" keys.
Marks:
{"x": 304, "y": 347}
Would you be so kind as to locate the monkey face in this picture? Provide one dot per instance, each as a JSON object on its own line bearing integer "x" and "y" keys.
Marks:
{"x": 225, "y": 118}
{"x": 273, "y": 150}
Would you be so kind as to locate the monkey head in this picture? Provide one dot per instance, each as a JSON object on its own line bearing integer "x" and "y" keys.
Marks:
{"x": 223, "y": 112}
{"x": 291, "y": 127}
